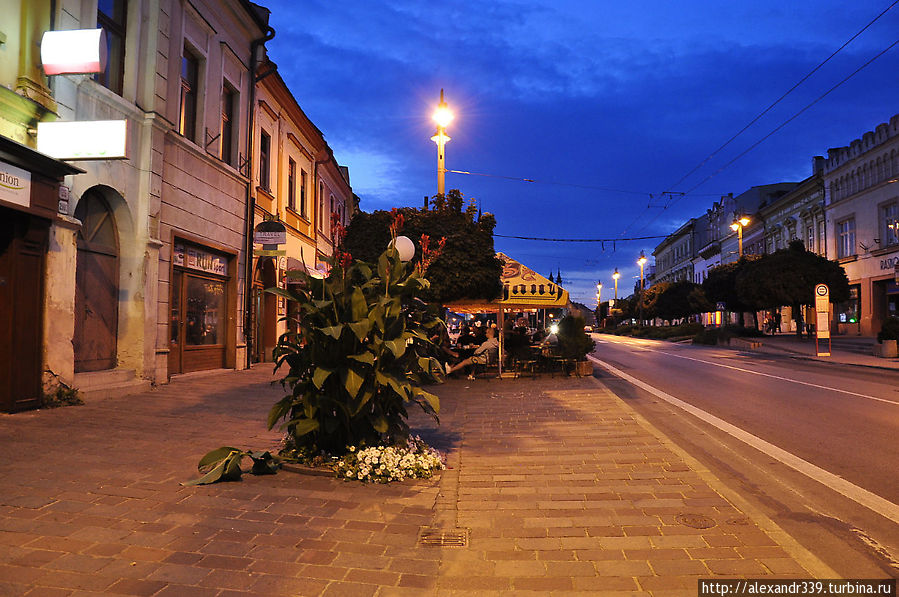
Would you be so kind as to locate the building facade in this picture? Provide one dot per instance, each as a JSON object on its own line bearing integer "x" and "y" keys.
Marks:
{"x": 144, "y": 275}
{"x": 299, "y": 184}
{"x": 862, "y": 209}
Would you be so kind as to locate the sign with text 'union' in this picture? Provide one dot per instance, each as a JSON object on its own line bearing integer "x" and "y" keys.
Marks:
{"x": 15, "y": 185}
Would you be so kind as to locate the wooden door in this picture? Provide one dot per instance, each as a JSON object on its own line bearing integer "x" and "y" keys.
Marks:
{"x": 96, "y": 286}
{"x": 176, "y": 324}
{"x": 23, "y": 244}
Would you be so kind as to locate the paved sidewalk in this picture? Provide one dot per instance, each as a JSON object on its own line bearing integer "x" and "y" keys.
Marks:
{"x": 559, "y": 487}
{"x": 846, "y": 350}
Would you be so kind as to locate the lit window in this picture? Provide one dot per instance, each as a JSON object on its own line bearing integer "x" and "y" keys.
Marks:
{"x": 187, "y": 121}
{"x": 889, "y": 224}
{"x": 846, "y": 237}
{"x": 265, "y": 147}
{"x": 111, "y": 18}
{"x": 291, "y": 184}
{"x": 303, "y": 193}
{"x": 228, "y": 103}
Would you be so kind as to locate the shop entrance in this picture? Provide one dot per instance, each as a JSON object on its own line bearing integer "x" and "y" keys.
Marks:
{"x": 96, "y": 286}
{"x": 198, "y": 325}
{"x": 264, "y": 312}
{"x": 23, "y": 243}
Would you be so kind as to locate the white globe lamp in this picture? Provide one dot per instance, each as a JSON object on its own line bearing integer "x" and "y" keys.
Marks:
{"x": 404, "y": 246}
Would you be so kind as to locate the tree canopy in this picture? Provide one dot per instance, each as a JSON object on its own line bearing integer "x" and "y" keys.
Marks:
{"x": 789, "y": 277}
{"x": 467, "y": 268}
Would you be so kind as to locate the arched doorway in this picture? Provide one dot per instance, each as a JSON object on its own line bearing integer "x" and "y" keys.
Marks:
{"x": 96, "y": 285}
{"x": 265, "y": 311}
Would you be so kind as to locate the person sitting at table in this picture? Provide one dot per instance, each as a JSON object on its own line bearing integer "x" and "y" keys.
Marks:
{"x": 482, "y": 354}
{"x": 465, "y": 343}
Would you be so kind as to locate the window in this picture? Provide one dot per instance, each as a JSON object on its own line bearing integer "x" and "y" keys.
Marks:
{"x": 265, "y": 148}
{"x": 111, "y": 18}
{"x": 810, "y": 239}
{"x": 303, "y": 193}
{"x": 321, "y": 203}
{"x": 228, "y": 102}
{"x": 190, "y": 69}
{"x": 889, "y": 224}
{"x": 291, "y": 184}
{"x": 822, "y": 249}
{"x": 846, "y": 238}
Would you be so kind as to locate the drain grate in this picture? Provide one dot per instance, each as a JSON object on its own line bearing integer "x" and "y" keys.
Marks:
{"x": 433, "y": 537}
{"x": 695, "y": 521}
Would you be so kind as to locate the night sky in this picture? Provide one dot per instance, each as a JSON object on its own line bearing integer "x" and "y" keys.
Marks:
{"x": 605, "y": 105}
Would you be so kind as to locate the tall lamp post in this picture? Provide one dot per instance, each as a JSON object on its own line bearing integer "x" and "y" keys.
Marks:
{"x": 442, "y": 116}
{"x": 737, "y": 227}
{"x": 615, "y": 277}
{"x": 598, "y": 293}
{"x": 641, "y": 262}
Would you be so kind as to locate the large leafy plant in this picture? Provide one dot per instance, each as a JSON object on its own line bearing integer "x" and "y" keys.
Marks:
{"x": 357, "y": 355}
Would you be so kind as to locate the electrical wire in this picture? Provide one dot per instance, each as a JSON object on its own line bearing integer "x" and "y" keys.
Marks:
{"x": 582, "y": 240}
{"x": 560, "y": 184}
{"x": 778, "y": 100}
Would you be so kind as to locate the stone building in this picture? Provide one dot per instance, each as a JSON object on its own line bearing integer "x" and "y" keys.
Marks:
{"x": 862, "y": 228}
{"x": 143, "y": 276}
{"x": 299, "y": 184}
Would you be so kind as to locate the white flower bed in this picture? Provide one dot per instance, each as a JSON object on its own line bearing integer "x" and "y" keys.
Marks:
{"x": 382, "y": 464}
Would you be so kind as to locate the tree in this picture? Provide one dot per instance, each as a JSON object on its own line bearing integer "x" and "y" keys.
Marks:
{"x": 721, "y": 286}
{"x": 789, "y": 277}
{"x": 680, "y": 300}
{"x": 467, "y": 268}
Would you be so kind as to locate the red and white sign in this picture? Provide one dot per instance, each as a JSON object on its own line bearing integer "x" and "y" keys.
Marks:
{"x": 77, "y": 51}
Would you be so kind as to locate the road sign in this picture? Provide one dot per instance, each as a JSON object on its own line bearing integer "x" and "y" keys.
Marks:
{"x": 822, "y": 319}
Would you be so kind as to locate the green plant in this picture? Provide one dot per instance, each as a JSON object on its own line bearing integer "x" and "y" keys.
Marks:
{"x": 889, "y": 330}
{"x": 383, "y": 464}
{"x": 713, "y": 336}
{"x": 574, "y": 342}
{"x": 61, "y": 395}
{"x": 223, "y": 464}
{"x": 359, "y": 355}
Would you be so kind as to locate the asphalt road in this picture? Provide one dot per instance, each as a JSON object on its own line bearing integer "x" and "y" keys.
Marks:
{"x": 832, "y": 420}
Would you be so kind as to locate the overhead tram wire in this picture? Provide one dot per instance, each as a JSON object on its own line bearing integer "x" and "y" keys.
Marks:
{"x": 671, "y": 195}
{"x": 560, "y": 184}
{"x": 778, "y": 100}
{"x": 776, "y": 129}
{"x": 580, "y": 240}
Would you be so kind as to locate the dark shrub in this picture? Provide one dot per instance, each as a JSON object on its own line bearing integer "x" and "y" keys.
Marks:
{"x": 889, "y": 330}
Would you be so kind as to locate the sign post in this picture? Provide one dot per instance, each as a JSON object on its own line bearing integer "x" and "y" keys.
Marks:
{"x": 822, "y": 319}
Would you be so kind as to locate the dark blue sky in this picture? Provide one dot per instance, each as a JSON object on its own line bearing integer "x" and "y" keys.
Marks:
{"x": 627, "y": 97}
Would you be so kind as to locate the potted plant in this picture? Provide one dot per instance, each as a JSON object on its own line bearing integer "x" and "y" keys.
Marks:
{"x": 886, "y": 338}
{"x": 575, "y": 344}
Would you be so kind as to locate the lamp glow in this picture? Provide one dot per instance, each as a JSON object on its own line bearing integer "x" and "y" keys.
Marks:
{"x": 443, "y": 116}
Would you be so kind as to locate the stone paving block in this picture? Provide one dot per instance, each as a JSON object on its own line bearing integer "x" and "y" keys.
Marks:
{"x": 130, "y": 586}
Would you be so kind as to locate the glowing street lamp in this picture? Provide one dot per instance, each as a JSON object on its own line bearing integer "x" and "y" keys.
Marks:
{"x": 615, "y": 277}
{"x": 442, "y": 116}
{"x": 737, "y": 227}
{"x": 598, "y": 294}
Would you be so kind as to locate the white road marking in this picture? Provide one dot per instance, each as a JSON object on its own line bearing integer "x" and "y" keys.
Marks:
{"x": 870, "y": 500}
{"x": 778, "y": 377}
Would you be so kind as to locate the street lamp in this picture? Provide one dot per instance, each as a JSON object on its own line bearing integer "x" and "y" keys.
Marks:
{"x": 737, "y": 227}
{"x": 615, "y": 277}
{"x": 598, "y": 294}
{"x": 442, "y": 116}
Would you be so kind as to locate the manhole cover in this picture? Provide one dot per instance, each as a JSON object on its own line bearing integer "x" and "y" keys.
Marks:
{"x": 695, "y": 521}
{"x": 431, "y": 537}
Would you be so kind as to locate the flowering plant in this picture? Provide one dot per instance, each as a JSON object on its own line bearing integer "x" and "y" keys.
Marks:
{"x": 382, "y": 464}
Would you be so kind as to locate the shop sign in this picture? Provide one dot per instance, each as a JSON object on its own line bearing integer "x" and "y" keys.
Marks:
{"x": 198, "y": 259}
{"x": 84, "y": 140}
{"x": 270, "y": 233}
{"x": 15, "y": 185}
{"x": 76, "y": 51}
{"x": 889, "y": 263}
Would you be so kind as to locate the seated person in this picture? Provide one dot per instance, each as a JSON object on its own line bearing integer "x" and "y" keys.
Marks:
{"x": 482, "y": 354}
{"x": 466, "y": 343}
